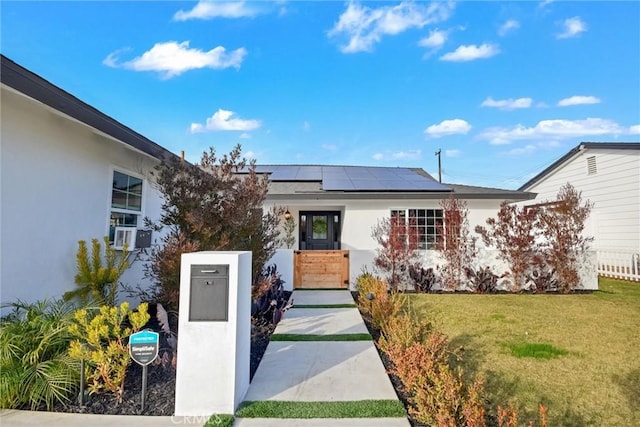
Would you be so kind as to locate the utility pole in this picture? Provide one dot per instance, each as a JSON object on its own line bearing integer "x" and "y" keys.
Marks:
{"x": 439, "y": 154}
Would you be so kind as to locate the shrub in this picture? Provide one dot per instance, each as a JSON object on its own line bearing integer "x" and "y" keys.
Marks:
{"x": 423, "y": 280}
{"x": 216, "y": 205}
{"x": 397, "y": 250}
{"x": 508, "y": 417}
{"x": 374, "y": 299}
{"x": 102, "y": 341}
{"x": 542, "y": 278}
{"x": 269, "y": 299}
{"x": 96, "y": 281}
{"x": 513, "y": 234}
{"x": 422, "y": 360}
{"x": 562, "y": 225}
{"x": 35, "y": 368}
{"x": 289, "y": 229}
{"x": 457, "y": 247}
{"x": 483, "y": 280}
{"x": 164, "y": 269}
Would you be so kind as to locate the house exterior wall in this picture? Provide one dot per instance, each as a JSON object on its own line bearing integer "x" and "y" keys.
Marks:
{"x": 614, "y": 189}
{"x": 56, "y": 178}
{"x": 358, "y": 218}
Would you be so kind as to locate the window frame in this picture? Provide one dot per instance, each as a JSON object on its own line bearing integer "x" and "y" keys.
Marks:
{"x": 110, "y": 209}
{"x": 423, "y": 241}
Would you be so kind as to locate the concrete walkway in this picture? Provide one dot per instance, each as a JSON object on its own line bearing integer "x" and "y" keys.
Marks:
{"x": 299, "y": 371}
{"x": 321, "y": 371}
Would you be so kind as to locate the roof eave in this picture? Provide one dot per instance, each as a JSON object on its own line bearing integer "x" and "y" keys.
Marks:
{"x": 33, "y": 86}
{"x": 575, "y": 150}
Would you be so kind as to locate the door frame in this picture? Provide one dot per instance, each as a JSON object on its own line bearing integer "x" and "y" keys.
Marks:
{"x": 304, "y": 232}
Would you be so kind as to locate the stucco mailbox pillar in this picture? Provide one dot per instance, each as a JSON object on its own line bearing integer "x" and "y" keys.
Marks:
{"x": 214, "y": 333}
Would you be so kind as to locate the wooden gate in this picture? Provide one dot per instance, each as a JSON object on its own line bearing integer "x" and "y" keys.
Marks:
{"x": 321, "y": 269}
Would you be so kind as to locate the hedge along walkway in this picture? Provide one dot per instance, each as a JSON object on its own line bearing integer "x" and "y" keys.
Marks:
{"x": 324, "y": 370}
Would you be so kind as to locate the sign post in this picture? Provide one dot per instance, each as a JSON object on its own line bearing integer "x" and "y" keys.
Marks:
{"x": 143, "y": 349}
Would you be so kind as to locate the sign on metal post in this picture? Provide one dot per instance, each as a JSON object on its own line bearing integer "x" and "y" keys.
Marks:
{"x": 143, "y": 349}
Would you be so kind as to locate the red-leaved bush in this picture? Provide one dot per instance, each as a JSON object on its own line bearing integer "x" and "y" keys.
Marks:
{"x": 397, "y": 240}
{"x": 513, "y": 234}
{"x": 456, "y": 245}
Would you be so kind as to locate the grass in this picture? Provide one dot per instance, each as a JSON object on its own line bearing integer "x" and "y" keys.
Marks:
{"x": 597, "y": 381}
{"x": 353, "y": 409}
{"x": 220, "y": 420}
{"x": 314, "y": 337}
{"x": 324, "y": 306}
{"x": 535, "y": 350}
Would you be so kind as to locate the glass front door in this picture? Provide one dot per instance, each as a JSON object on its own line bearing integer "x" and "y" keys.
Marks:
{"x": 319, "y": 230}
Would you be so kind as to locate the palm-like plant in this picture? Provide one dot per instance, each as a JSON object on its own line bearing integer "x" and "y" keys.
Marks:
{"x": 35, "y": 369}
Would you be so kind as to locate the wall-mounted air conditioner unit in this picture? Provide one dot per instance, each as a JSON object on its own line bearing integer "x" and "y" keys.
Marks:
{"x": 124, "y": 235}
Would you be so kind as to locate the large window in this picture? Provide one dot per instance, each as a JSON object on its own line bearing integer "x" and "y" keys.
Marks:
{"x": 126, "y": 202}
{"x": 427, "y": 222}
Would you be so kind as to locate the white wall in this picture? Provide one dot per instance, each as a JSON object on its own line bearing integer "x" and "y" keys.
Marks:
{"x": 56, "y": 177}
{"x": 614, "y": 190}
{"x": 359, "y": 216}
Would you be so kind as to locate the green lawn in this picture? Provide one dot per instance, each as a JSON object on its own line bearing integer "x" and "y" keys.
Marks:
{"x": 577, "y": 354}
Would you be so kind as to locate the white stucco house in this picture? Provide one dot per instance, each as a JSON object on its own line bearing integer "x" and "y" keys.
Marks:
{"x": 68, "y": 172}
{"x": 335, "y": 208}
{"x": 608, "y": 175}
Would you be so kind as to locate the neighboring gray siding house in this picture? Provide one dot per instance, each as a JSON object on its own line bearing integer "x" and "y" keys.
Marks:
{"x": 607, "y": 174}
{"x": 68, "y": 172}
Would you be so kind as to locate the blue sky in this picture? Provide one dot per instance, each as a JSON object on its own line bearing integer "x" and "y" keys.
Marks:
{"x": 503, "y": 88}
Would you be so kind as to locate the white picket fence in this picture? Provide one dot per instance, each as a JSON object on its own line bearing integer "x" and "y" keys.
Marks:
{"x": 619, "y": 263}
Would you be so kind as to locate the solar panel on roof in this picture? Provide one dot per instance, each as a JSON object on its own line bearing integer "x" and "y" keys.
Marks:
{"x": 379, "y": 179}
{"x": 285, "y": 173}
{"x": 354, "y": 178}
{"x": 337, "y": 185}
{"x": 309, "y": 173}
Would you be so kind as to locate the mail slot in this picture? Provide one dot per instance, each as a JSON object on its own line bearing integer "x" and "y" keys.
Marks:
{"x": 209, "y": 293}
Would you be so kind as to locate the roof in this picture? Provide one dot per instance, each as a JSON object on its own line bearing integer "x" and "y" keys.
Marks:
{"x": 32, "y": 85}
{"x": 355, "y": 178}
{"x": 580, "y": 147}
{"x": 304, "y": 182}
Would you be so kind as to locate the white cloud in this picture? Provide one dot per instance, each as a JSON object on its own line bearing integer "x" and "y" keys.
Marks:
{"x": 250, "y": 154}
{"x": 553, "y": 129}
{"x": 635, "y": 129}
{"x": 572, "y": 27}
{"x": 507, "y": 104}
{"x": 217, "y": 9}
{"x": 527, "y": 149}
{"x": 407, "y": 155}
{"x": 244, "y": 135}
{"x": 306, "y": 126}
{"x": 545, "y": 3}
{"x": 578, "y": 100}
{"x": 435, "y": 39}
{"x": 365, "y": 26}
{"x": 398, "y": 155}
{"x": 471, "y": 52}
{"x": 223, "y": 120}
{"x": 508, "y": 26}
{"x": 329, "y": 147}
{"x": 172, "y": 59}
{"x": 448, "y": 127}
{"x": 452, "y": 153}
